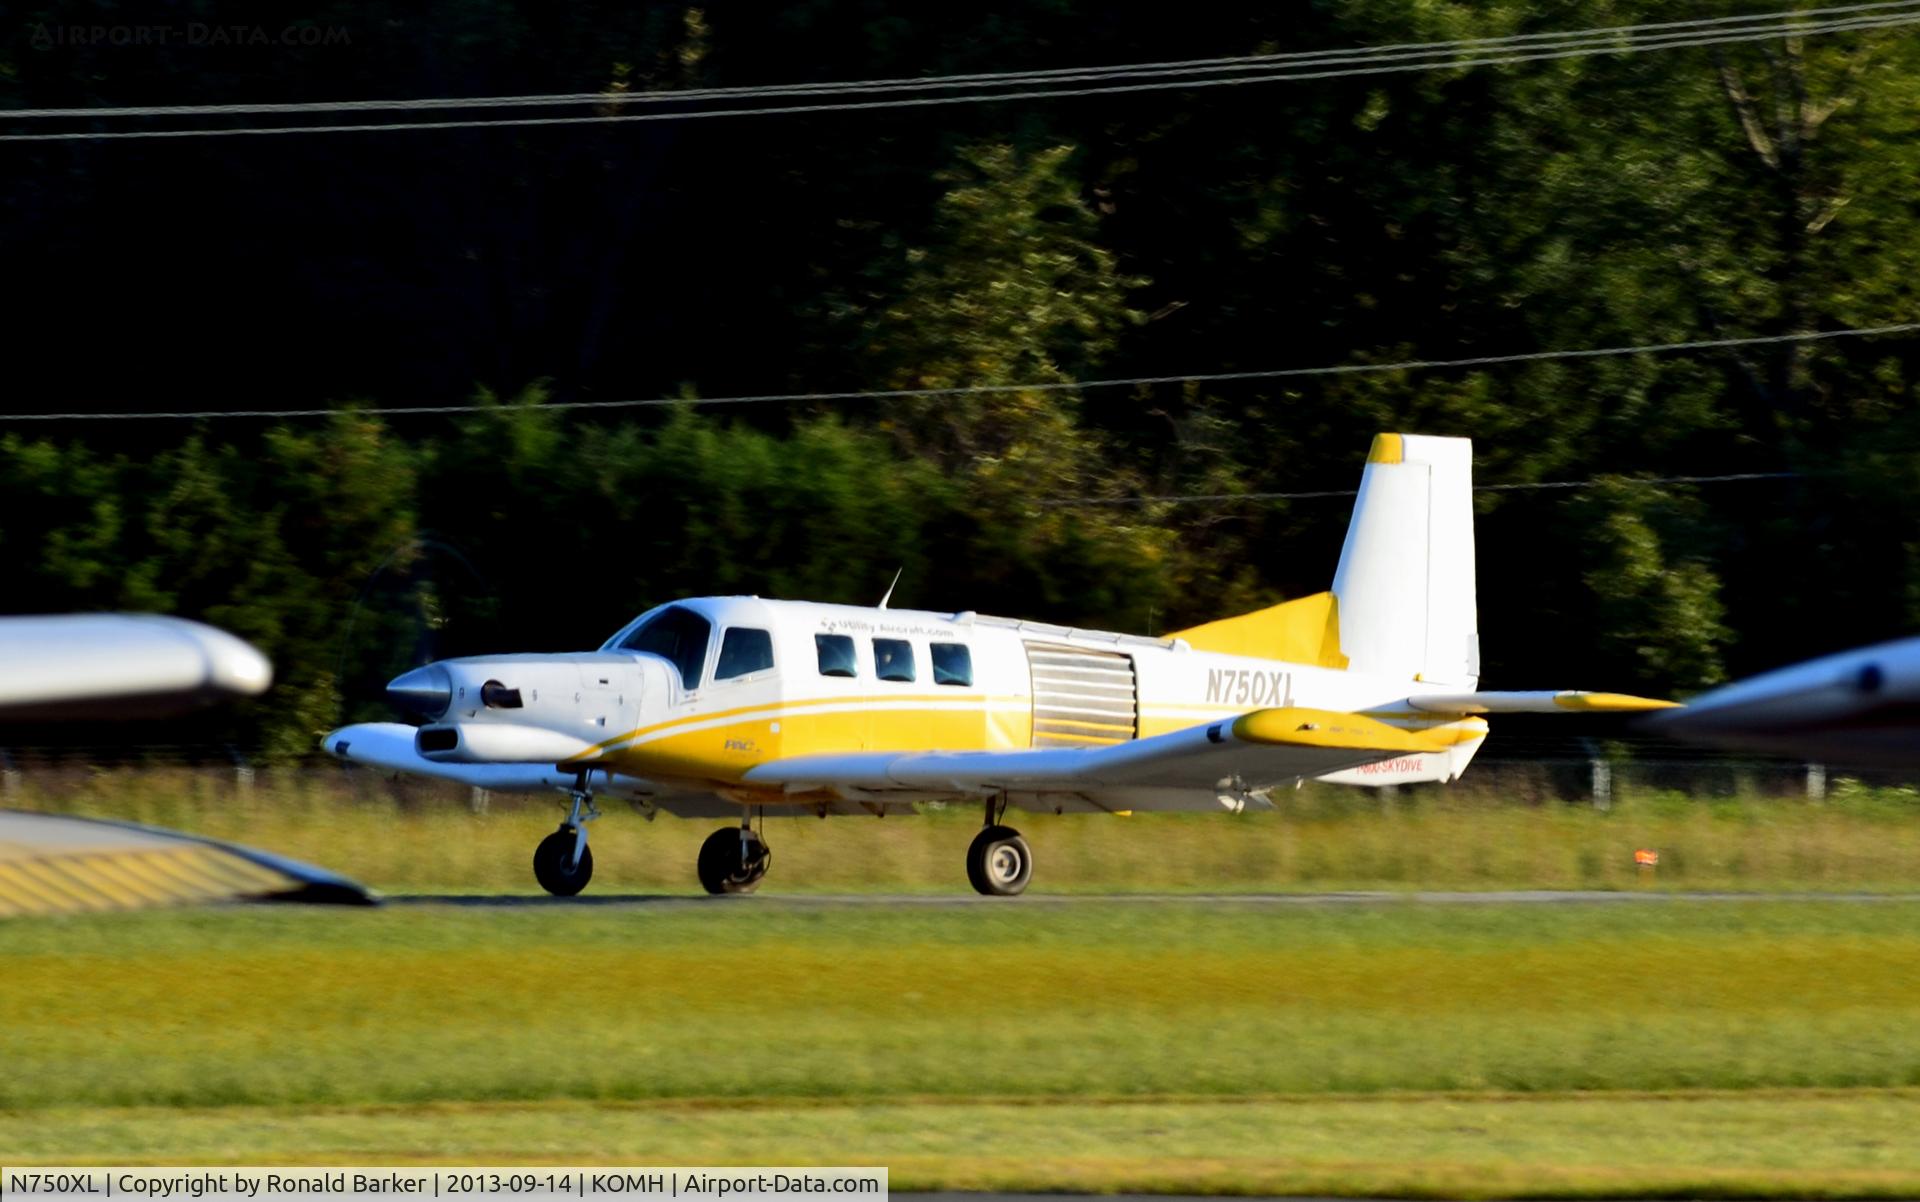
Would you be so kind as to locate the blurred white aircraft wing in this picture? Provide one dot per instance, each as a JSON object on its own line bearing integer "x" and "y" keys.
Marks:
{"x": 120, "y": 666}
{"x": 1859, "y": 706}
{"x": 1202, "y": 767}
{"x": 55, "y": 864}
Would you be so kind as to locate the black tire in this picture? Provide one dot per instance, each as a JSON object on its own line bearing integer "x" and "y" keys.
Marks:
{"x": 723, "y": 867}
{"x": 551, "y": 869}
{"x": 999, "y": 863}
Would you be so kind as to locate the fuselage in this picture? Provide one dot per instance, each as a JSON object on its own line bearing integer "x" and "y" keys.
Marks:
{"x": 693, "y": 694}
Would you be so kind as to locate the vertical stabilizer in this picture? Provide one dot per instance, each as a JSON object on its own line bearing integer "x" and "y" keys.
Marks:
{"x": 1405, "y": 585}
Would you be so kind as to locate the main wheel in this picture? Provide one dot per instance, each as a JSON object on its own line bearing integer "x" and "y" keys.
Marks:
{"x": 999, "y": 863}
{"x": 553, "y": 867}
{"x": 733, "y": 860}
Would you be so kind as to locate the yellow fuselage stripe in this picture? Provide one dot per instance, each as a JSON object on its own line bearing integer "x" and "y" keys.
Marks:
{"x": 717, "y": 749}
{"x": 778, "y": 710}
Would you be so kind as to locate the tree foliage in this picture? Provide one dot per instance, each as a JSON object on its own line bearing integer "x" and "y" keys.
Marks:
{"x": 1691, "y": 194}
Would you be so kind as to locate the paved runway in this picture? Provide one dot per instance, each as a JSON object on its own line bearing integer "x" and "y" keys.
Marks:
{"x": 1525, "y": 897}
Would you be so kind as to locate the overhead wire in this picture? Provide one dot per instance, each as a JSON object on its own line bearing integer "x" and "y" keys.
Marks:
{"x": 1172, "y": 77}
{"x": 1323, "y": 493}
{"x": 1778, "y": 23}
{"x": 889, "y": 394}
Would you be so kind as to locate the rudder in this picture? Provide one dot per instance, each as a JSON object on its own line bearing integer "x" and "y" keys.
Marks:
{"x": 1405, "y": 585}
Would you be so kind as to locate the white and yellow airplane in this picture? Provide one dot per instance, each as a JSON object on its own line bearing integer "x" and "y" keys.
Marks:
{"x": 730, "y": 705}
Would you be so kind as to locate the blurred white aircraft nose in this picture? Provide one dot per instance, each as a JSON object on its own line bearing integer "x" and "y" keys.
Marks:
{"x": 1857, "y": 707}
{"x": 237, "y": 668}
{"x": 120, "y": 666}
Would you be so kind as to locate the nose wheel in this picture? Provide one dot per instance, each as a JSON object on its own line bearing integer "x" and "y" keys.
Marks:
{"x": 556, "y": 867}
{"x": 563, "y": 863}
{"x": 733, "y": 860}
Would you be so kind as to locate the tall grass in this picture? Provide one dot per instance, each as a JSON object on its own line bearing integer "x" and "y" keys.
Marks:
{"x": 420, "y": 836}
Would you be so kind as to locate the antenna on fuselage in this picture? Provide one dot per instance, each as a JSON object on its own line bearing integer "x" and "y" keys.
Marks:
{"x": 891, "y": 587}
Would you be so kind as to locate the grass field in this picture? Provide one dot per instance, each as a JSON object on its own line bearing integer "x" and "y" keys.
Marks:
{"x": 1771, "y": 1145}
{"x": 423, "y": 838}
{"x": 1747, "y": 1048}
{"x": 1756, "y": 1049}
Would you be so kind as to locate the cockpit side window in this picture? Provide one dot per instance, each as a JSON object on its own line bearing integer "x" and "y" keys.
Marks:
{"x": 678, "y": 636}
{"x": 743, "y": 651}
{"x": 835, "y": 652}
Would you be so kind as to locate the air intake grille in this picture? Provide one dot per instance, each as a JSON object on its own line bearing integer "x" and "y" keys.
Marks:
{"x": 1082, "y": 698}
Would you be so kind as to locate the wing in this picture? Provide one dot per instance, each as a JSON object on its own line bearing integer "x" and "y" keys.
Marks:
{"x": 1208, "y": 766}
{"x": 120, "y": 666}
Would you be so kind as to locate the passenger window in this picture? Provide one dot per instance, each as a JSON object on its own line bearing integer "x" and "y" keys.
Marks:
{"x": 893, "y": 659}
{"x": 678, "y": 636}
{"x": 952, "y": 663}
{"x": 744, "y": 651}
{"x": 836, "y": 655}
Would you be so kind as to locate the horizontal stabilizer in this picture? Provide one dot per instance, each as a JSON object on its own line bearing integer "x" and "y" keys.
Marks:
{"x": 1540, "y": 702}
{"x": 1294, "y": 726}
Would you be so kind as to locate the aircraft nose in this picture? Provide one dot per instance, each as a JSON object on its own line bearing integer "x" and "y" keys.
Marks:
{"x": 425, "y": 691}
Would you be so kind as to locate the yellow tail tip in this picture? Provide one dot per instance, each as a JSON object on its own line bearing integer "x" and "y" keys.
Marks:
{"x": 1387, "y": 448}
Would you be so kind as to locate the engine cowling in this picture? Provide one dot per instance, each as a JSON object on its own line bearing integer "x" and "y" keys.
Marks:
{"x": 530, "y": 709}
{"x": 499, "y": 743}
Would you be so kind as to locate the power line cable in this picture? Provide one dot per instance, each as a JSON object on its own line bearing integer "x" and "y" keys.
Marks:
{"x": 1770, "y": 24}
{"x": 1342, "y": 369}
{"x": 1788, "y": 30}
{"x": 1318, "y": 494}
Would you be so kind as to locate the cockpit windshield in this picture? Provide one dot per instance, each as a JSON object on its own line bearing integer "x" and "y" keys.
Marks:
{"x": 676, "y": 635}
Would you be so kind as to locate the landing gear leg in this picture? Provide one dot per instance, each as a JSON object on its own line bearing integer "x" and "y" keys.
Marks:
{"x": 563, "y": 863}
{"x": 734, "y": 860}
{"x": 999, "y": 863}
